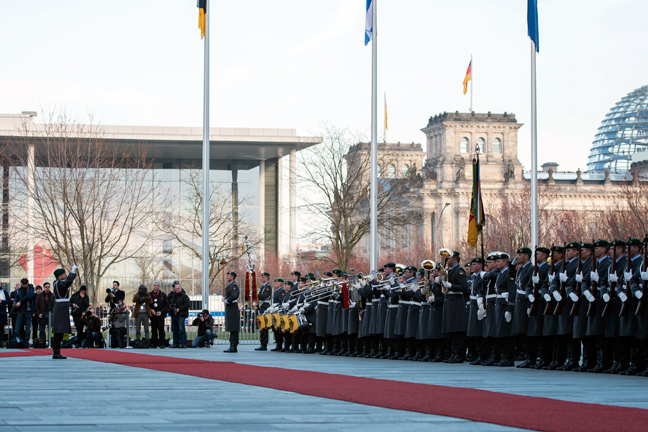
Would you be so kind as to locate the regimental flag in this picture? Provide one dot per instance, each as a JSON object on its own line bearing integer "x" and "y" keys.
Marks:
{"x": 386, "y": 128}
{"x": 369, "y": 22}
{"x": 202, "y": 11}
{"x": 532, "y": 21}
{"x": 251, "y": 293}
{"x": 477, "y": 218}
{"x": 468, "y": 77}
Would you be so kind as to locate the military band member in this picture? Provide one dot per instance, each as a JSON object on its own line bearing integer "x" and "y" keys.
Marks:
{"x": 379, "y": 344}
{"x": 321, "y": 315}
{"x": 438, "y": 341}
{"x": 277, "y": 301}
{"x": 404, "y": 298}
{"x": 417, "y": 348}
{"x": 454, "y": 308}
{"x": 265, "y": 296}
{"x": 390, "y": 316}
{"x": 595, "y": 321}
{"x": 232, "y": 313}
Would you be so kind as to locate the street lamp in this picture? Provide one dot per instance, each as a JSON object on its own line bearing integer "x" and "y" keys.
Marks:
{"x": 437, "y": 230}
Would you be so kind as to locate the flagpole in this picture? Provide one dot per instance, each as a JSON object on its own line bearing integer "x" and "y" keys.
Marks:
{"x": 373, "y": 223}
{"x": 534, "y": 152}
{"x": 472, "y": 78}
{"x": 205, "y": 168}
{"x": 385, "y": 125}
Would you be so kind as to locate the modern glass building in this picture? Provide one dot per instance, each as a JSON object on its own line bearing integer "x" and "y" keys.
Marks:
{"x": 623, "y": 132}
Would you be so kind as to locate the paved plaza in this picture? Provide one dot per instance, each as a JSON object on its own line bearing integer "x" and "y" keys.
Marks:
{"x": 40, "y": 394}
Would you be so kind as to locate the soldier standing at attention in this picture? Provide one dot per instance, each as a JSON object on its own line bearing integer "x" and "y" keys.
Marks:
{"x": 232, "y": 314}
{"x": 265, "y": 294}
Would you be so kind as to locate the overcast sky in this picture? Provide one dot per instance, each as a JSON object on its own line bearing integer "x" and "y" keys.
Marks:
{"x": 296, "y": 63}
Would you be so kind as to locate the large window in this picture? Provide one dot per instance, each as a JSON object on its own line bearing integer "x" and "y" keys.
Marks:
{"x": 404, "y": 170}
{"x": 464, "y": 145}
{"x": 497, "y": 146}
{"x": 391, "y": 170}
{"x": 481, "y": 142}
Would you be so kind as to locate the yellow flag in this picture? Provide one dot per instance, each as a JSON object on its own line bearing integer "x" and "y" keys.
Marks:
{"x": 202, "y": 11}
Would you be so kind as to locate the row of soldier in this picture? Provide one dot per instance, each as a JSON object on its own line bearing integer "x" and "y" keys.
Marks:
{"x": 575, "y": 307}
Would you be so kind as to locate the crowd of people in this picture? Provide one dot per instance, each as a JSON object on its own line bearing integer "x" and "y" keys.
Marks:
{"x": 572, "y": 308}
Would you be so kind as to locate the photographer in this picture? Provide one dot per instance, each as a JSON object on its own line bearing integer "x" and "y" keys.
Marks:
{"x": 205, "y": 324}
{"x": 159, "y": 309}
{"x": 118, "y": 325}
{"x": 142, "y": 311}
{"x": 179, "y": 310}
{"x": 44, "y": 307}
{"x": 93, "y": 331}
{"x": 114, "y": 295}
{"x": 79, "y": 303}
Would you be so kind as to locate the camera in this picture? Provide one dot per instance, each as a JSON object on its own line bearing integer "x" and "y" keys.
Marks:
{"x": 109, "y": 290}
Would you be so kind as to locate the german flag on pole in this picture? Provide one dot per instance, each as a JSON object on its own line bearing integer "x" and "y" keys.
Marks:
{"x": 477, "y": 218}
{"x": 202, "y": 11}
{"x": 468, "y": 77}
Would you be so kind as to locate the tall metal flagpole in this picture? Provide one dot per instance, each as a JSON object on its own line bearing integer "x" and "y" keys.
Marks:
{"x": 534, "y": 152}
{"x": 205, "y": 168}
{"x": 373, "y": 229}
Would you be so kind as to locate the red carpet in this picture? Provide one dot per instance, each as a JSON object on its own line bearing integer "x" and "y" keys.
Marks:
{"x": 27, "y": 353}
{"x": 537, "y": 413}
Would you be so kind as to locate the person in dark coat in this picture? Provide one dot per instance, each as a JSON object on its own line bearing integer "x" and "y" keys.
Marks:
{"x": 520, "y": 315}
{"x": 179, "y": 304}
{"x": 61, "y": 311}
{"x": 594, "y": 294}
{"x": 79, "y": 303}
{"x": 44, "y": 307}
{"x": 232, "y": 314}
{"x": 582, "y": 305}
{"x": 277, "y": 301}
{"x": 93, "y": 336}
{"x": 159, "y": 307}
{"x": 505, "y": 289}
{"x": 454, "y": 308}
{"x": 265, "y": 297}
{"x": 5, "y": 306}
{"x": 475, "y": 329}
{"x": 24, "y": 308}
{"x": 550, "y": 324}
{"x": 537, "y": 345}
{"x": 568, "y": 353}
{"x": 114, "y": 295}
{"x": 205, "y": 324}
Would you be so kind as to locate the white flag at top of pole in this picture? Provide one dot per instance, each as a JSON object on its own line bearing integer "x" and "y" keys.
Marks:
{"x": 369, "y": 22}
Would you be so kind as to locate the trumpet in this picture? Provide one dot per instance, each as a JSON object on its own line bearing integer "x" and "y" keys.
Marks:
{"x": 443, "y": 276}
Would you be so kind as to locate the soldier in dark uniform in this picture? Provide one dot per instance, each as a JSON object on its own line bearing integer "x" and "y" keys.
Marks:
{"x": 61, "y": 312}
{"x": 232, "y": 314}
{"x": 364, "y": 315}
{"x": 265, "y": 296}
{"x": 475, "y": 330}
{"x": 595, "y": 322}
{"x": 454, "y": 308}
{"x": 321, "y": 315}
{"x": 404, "y": 297}
{"x": 568, "y": 352}
{"x": 504, "y": 308}
{"x": 288, "y": 303}
{"x": 277, "y": 300}
{"x": 550, "y": 325}
{"x": 438, "y": 347}
{"x": 582, "y": 304}
{"x": 422, "y": 330}
{"x": 536, "y": 344}
{"x": 417, "y": 349}
{"x": 639, "y": 278}
{"x": 390, "y": 316}
{"x": 486, "y": 303}
{"x": 620, "y": 354}
{"x": 520, "y": 316}
{"x": 628, "y": 321}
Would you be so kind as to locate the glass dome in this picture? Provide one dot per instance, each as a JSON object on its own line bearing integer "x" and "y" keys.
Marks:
{"x": 624, "y": 131}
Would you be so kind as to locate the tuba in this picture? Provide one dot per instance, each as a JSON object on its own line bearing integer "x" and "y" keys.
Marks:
{"x": 428, "y": 266}
{"x": 443, "y": 276}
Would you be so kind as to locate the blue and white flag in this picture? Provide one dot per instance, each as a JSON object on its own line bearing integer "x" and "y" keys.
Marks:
{"x": 532, "y": 21}
{"x": 369, "y": 22}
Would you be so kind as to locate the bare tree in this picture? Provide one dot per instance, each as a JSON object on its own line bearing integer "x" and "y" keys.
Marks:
{"x": 150, "y": 266}
{"x": 88, "y": 199}
{"x": 185, "y": 228}
{"x": 333, "y": 178}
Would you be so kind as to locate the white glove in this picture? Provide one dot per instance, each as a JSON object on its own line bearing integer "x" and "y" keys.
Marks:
{"x": 573, "y": 297}
{"x": 535, "y": 279}
{"x": 547, "y": 297}
{"x": 552, "y": 276}
{"x": 638, "y": 294}
{"x": 507, "y": 316}
{"x": 437, "y": 279}
{"x": 606, "y": 297}
{"x": 588, "y": 295}
{"x": 644, "y": 275}
{"x": 285, "y": 305}
{"x": 227, "y": 302}
{"x": 613, "y": 278}
{"x": 483, "y": 273}
{"x": 579, "y": 277}
{"x": 627, "y": 276}
{"x": 623, "y": 297}
{"x": 351, "y": 305}
{"x": 563, "y": 277}
{"x": 557, "y": 296}
{"x": 480, "y": 302}
{"x": 505, "y": 295}
{"x": 594, "y": 276}
{"x": 531, "y": 298}
{"x": 301, "y": 310}
{"x": 294, "y": 309}
{"x": 431, "y": 299}
{"x": 448, "y": 285}
{"x": 74, "y": 268}
{"x": 480, "y": 314}
{"x": 382, "y": 295}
